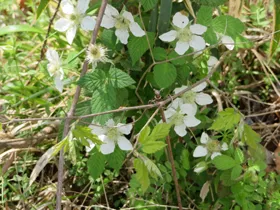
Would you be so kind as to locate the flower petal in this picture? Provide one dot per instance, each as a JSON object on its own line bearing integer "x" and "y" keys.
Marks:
{"x": 71, "y": 33}
{"x": 111, "y": 11}
{"x": 198, "y": 29}
{"x": 58, "y": 83}
{"x": 177, "y": 90}
{"x": 82, "y": 6}
{"x": 88, "y": 23}
{"x": 224, "y": 146}
{"x": 62, "y": 24}
{"x": 91, "y": 145}
{"x": 125, "y": 129}
{"x": 97, "y": 130}
{"x": 67, "y": 7}
{"x": 110, "y": 123}
{"x": 189, "y": 109}
{"x": 176, "y": 103}
{"x": 197, "y": 43}
{"x": 203, "y": 99}
{"x": 191, "y": 121}
{"x": 180, "y": 130}
{"x": 108, "y": 146}
{"x": 136, "y": 30}
{"x": 169, "y": 112}
{"x": 215, "y": 154}
{"x": 180, "y": 20}
{"x": 204, "y": 138}
{"x": 200, "y": 151}
{"x": 122, "y": 35}
{"x": 108, "y": 21}
{"x": 199, "y": 87}
{"x": 168, "y": 36}
{"x": 124, "y": 143}
{"x": 181, "y": 47}
{"x": 128, "y": 16}
{"x": 228, "y": 42}
{"x": 212, "y": 61}
{"x": 52, "y": 56}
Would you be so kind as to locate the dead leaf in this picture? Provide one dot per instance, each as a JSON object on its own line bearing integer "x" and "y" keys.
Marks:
{"x": 204, "y": 190}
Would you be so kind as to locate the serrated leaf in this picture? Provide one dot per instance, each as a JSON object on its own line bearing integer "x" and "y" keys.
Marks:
{"x": 82, "y": 134}
{"x": 165, "y": 74}
{"x": 228, "y": 25}
{"x": 212, "y": 3}
{"x": 238, "y": 156}
{"x": 137, "y": 46}
{"x": 96, "y": 164}
{"x": 115, "y": 159}
{"x": 152, "y": 168}
{"x": 42, "y": 6}
{"x": 119, "y": 78}
{"x": 236, "y": 172}
{"x": 160, "y": 131}
{"x": 210, "y": 36}
{"x": 250, "y": 137}
{"x": 153, "y": 146}
{"x": 223, "y": 162}
{"x": 93, "y": 80}
{"x": 143, "y": 136}
{"x": 226, "y": 119}
{"x": 148, "y": 4}
{"x": 142, "y": 174}
{"x": 204, "y": 15}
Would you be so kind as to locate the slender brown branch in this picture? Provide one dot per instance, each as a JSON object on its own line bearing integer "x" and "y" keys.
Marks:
{"x": 73, "y": 107}
{"x": 170, "y": 154}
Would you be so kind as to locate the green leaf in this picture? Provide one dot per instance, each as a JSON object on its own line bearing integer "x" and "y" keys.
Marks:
{"x": 211, "y": 3}
{"x": 115, "y": 159}
{"x": 210, "y": 36}
{"x": 226, "y": 119}
{"x": 275, "y": 39}
{"x": 137, "y": 46}
{"x": 250, "y": 137}
{"x": 223, "y": 162}
{"x": 42, "y": 6}
{"x": 204, "y": 15}
{"x": 119, "y": 78}
{"x": 82, "y": 134}
{"x": 72, "y": 151}
{"x": 148, "y": 4}
{"x": 238, "y": 156}
{"x": 164, "y": 16}
{"x": 236, "y": 172}
{"x": 160, "y": 131}
{"x": 109, "y": 38}
{"x": 19, "y": 28}
{"x": 183, "y": 72}
{"x": 228, "y": 25}
{"x": 96, "y": 164}
{"x": 159, "y": 54}
{"x": 153, "y": 146}
{"x": 94, "y": 80}
{"x": 142, "y": 174}
{"x": 185, "y": 159}
{"x": 165, "y": 74}
{"x": 152, "y": 168}
{"x": 144, "y": 134}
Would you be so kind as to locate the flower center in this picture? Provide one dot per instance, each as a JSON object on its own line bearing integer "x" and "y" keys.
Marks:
{"x": 184, "y": 34}
{"x": 189, "y": 97}
{"x": 177, "y": 119}
{"x": 213, "y": 146}
{"x": 121, "y": 22}
{"x": 53, "y": 68}
{"x": 113, "y": 134}
{"x": 76, "y": 18}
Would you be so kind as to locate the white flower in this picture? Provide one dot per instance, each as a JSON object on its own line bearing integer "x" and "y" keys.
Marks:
{"x": 54, "y": 68}
{"x": 211, "y": 62}
{"x": 226, "y": 40}
{"x": 186, "y": 34}
{"x": 194, "y": 95}
{"x": 96, "y": 53}
{"x": 182, "y": 116}
{"x": 75, "y": 17}
{"x": 123, "y": 22}
{"x": 110, "y": 135}
{"x": 200, "y": 167}
{"x": 209, "y": 147}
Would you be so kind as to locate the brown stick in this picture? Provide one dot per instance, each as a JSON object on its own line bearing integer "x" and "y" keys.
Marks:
{"x": 170, "y": 154}
{"x": 73, "y": 107}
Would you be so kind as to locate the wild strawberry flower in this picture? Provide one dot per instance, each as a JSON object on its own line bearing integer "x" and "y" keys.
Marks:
{"x": 182, "y": 116}
{"x": 226, "y": 40}
{"x": 123, "y": 22}
{"x": 211, "y": 62}
{"x": 209, "y": 148}
{"x": 75, "y": 17}
{"x": 110, "y": 135}
{"x": 96, "y": 53}
{"x": 194, "y": 96}
{"x": 186, "y": 35}
{"x": 55, "y": 68}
